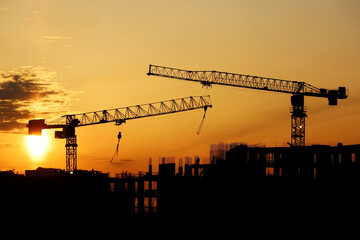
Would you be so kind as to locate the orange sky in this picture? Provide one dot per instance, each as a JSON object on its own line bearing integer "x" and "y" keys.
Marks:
{"x": 94, "y": 55}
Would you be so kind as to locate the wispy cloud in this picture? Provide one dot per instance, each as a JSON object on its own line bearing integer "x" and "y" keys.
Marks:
{"x": 35, "y": 15}
{"x": 4, "y": 9}
{"x": 5, "y": 145}
{"x": 29, "y": 93}
{"x": 52, "y": 37}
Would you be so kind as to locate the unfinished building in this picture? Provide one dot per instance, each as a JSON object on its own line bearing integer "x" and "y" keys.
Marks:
{"x": 252, "y": 183}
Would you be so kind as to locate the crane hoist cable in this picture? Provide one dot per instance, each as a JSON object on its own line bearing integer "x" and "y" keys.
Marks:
{"x": 120, "y": 125}
{"x": 202, "y": 121}
{"x": 117, "y": 147}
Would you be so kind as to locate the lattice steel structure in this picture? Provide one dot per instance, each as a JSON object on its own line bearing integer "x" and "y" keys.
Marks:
{"x": 71, "y": 153}
{"x": 118, "y": 115}
{"x": 297, "y": 89}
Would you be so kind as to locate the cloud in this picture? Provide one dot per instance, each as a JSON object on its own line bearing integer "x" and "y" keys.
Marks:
{"x": 27, "y": 94}
{"x": 122, "y": 162}
{"x": 55, "y": 38}
{"x": 5, "y": 9}
{"x": 5, "y": 145}
{"x": 35, "y": 15}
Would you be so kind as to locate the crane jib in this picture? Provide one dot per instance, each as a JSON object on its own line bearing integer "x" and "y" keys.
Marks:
{"x": 207, "y": 78}
{"x": 120, "y": 115}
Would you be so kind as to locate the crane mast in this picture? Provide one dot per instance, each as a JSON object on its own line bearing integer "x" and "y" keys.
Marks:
{"x": 68, "y": 123}
{"x": 297, "y": 89}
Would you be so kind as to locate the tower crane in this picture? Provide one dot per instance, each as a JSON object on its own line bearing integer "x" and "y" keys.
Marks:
{"x": 297, "y": 89}
{"x": 68, "y": 123}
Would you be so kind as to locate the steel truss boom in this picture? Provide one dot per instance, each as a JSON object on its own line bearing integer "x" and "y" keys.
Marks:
{"x": 120, "y": 115}
{"x": 208, "y": 78}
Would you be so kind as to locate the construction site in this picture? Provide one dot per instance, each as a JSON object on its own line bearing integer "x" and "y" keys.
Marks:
{"x": 239, "y": 181}
{"x": 249, "y": 183}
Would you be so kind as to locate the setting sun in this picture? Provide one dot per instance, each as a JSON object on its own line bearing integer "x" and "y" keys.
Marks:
{"x": 37, "y": 145}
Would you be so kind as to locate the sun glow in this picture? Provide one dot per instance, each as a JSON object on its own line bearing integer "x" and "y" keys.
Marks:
{"x": 37, "y": 145}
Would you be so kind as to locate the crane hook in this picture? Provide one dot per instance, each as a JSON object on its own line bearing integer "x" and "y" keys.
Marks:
{"x": 117, "y": 147}
{"x": 202, "y": 121}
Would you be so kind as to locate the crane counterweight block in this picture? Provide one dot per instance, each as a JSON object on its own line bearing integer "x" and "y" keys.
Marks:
{"x": 36, "y": 126}
{"x": 67, "y": 132}
{"x": 334, "y": 95}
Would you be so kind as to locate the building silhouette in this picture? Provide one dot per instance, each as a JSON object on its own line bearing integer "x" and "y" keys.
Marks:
{"x": 253, "y": 184}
